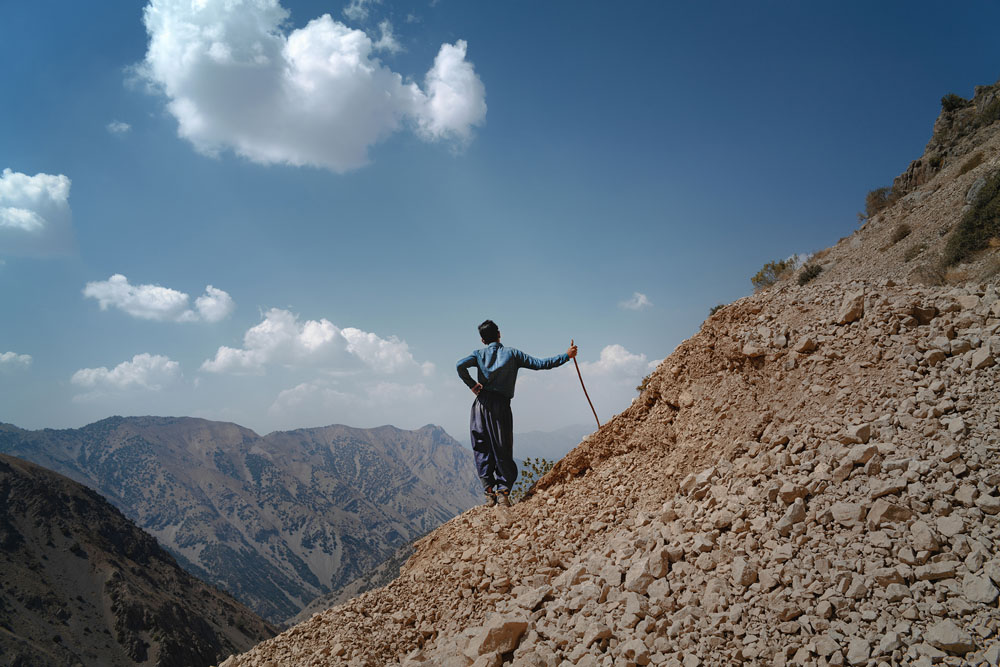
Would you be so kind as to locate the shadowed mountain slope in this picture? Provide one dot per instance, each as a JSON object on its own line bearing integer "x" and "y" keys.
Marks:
{"x": 82, "y": 585}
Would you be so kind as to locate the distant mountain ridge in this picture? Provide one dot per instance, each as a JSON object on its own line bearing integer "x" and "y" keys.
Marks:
{"x": 83, "y": 585}
{"x": 277, "y": 520}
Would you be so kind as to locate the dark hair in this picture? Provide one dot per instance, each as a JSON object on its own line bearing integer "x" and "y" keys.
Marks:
{"x": 489, "y": 332}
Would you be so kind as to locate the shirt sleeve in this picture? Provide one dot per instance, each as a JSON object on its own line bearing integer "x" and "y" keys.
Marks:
{"x": 531, "y": 363}
{"x": 463, "y": 370}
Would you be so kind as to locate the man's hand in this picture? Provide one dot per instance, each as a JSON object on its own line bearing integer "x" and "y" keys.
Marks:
{"x": 477, "y": 388}
{"x": 571, "y": 352}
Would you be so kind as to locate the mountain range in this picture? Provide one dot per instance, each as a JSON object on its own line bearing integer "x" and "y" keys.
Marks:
{"x": 276, "y": 520}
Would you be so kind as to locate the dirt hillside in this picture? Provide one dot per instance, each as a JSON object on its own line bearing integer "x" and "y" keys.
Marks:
{"x": 809, "y": 480}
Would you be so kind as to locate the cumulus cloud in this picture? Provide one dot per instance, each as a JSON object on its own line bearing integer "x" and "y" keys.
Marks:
{"x": 616, "y": 361}
{"x": 637, "y": 302}
{"x": 154, "y": 302}
{"x": 214, "y": 305}
{"x": 11, "y": 360}
{"x": 118, "y": 127}
{"x": 235, "y": 79}
{"x": 145, "y": 371}
{"x": 34, "y": 214}
{"x": 281, "y": 338}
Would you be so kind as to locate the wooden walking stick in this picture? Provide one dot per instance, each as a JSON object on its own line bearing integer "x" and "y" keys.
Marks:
{"x": 584, "y": 387}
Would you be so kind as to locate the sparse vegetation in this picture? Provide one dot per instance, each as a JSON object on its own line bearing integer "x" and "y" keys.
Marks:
{"x": 914, "y": 251}
{"x": 901, "y": 232}
{"x": 771, "y": 273}
{"x": 532, "y": 471}
{"x": 971, "y": 163}
{"x": 642, "y": 385}
{"x": 808, "y": 272}
{"x": 935, "y": 161}
{"x": 978, "y": 226}
{"x": 953, "y": 102}
{"x": 878, "y": 200}
{"x": 716, "y": 308}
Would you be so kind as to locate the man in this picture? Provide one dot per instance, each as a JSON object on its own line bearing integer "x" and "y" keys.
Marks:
{"x": 491, "y": 423}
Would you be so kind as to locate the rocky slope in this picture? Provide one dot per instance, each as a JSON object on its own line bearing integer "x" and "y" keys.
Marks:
{"x": 277, "y": 520}
{"x": 906, "y": 241}
{"x": 812, "y": 479}
{"x": 82, "y": 585}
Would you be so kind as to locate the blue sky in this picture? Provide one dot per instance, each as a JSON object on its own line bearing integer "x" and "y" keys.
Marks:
{"x": 361, "y": 190}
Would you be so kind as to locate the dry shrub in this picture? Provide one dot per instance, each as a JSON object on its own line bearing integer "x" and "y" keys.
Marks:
{"x": 899, "y": 233}
{"x": 771, "y": 273}
{"x": 971, "y": 163}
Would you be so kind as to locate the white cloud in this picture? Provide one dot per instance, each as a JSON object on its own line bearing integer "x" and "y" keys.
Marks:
{"x": 316, "y": 95}
{"x": 214, "y": 305}
{"x": 145, "y": 371}
{"x": 456, "y": 97}
{"x": 387, "y": 40}
{"x": 118, "y": 127}
{"x": 357, "y": 10}
{"x": 154, "y": 302}
{"x": 618, "y": 362}
{"x": 383, "y": 354}
{"x": 637, "y": 302}
{"x": 34, "y": 213}
{"x": 281, "y": 338}
{"x": 11, "y": 360}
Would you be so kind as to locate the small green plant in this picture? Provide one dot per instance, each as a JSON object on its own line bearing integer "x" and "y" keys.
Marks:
{"x": 771, "y": 273}
{"x": 716, "y": 308}
{"x": 914, "y": 251}
{"x": 978, "y": 226}
{"x": 971, "y": 163}
{"x": 808, "y": 272}
{"x": 899, "y": 233}
{"x": 532, "y": 471}
{"x": 953, "y": 102}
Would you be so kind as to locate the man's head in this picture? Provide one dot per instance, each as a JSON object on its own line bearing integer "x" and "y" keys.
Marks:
{"x": 489, "y": 332}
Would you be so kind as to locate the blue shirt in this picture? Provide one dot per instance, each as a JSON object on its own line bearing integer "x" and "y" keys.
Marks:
{"x": 498, "y": 366}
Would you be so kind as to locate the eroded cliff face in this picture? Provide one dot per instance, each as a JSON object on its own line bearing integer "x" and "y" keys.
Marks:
{"x": 811, "y": 478}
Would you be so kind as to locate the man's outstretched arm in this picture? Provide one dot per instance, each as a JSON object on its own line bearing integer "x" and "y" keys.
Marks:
{"x": 532, "y": 363}
{"x": 463, "y": 367}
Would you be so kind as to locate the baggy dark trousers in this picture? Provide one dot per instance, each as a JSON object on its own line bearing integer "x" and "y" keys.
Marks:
{"x": 492, "y": 427}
